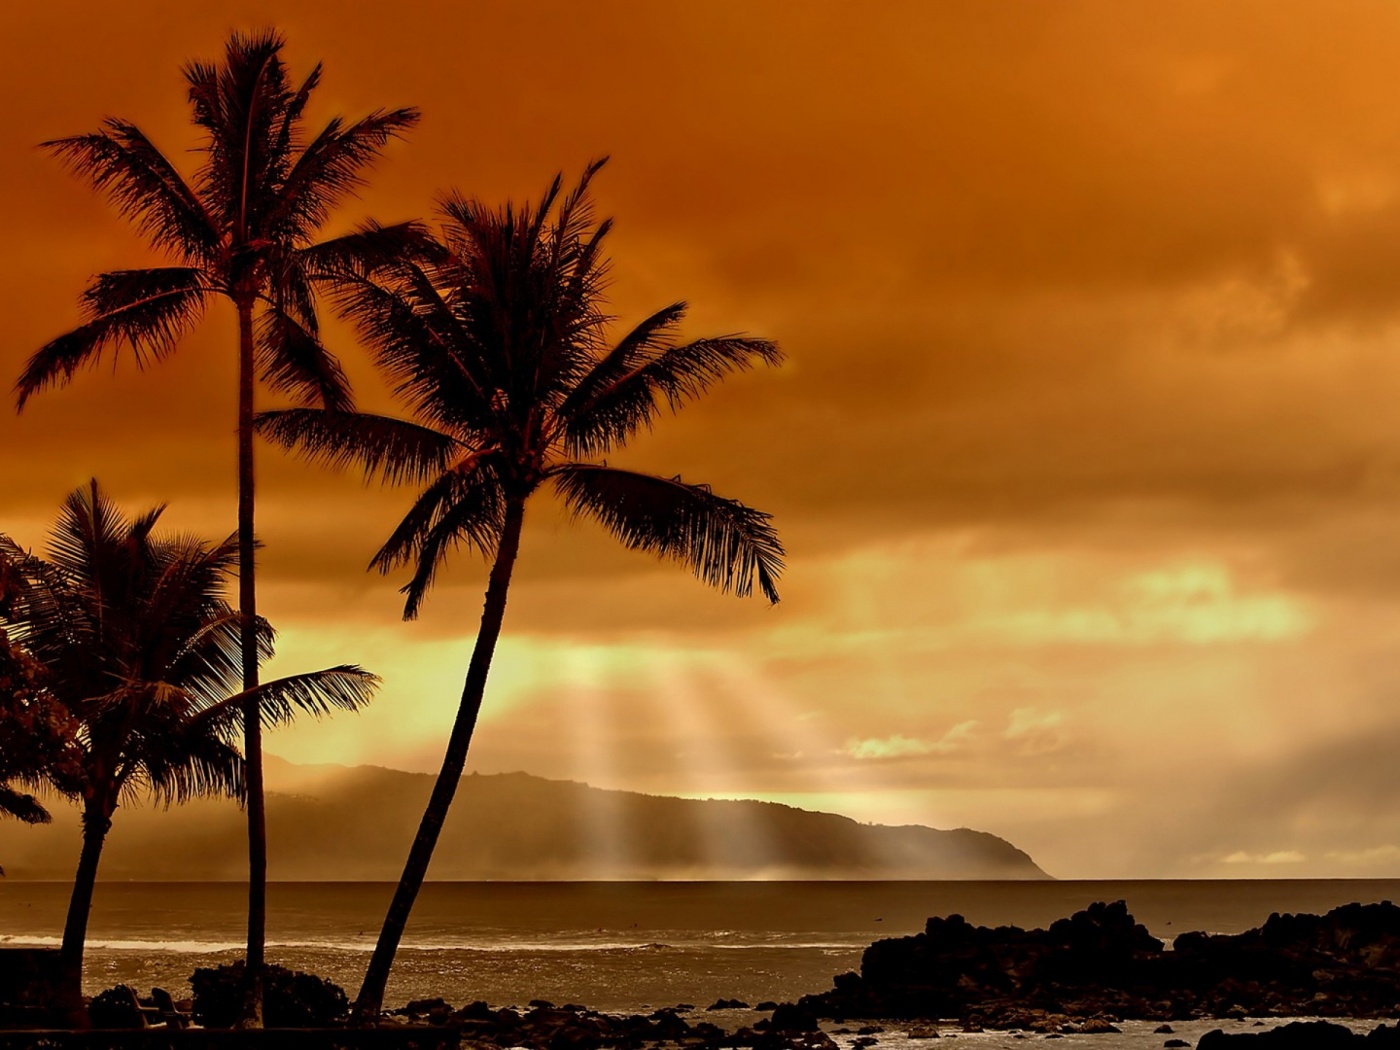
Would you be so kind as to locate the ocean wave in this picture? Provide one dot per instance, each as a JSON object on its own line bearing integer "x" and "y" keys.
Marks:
{"x": 197, "y": 947}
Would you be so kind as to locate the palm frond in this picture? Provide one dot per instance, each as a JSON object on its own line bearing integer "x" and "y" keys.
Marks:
{"x": 394, "y": 450}
{"x": 367, "y": 249}
{"x": 330, "y": 168}
{"x": 726, "y": 544}
{"x": 345, "y": 687}
{"x": 576, "y": 210}
{"x": 465, "y": 505}
{"x": 288, "y": 138}
{"x": 148, "y": 310}
{"x": 240, "y": 104}
{"x": 617, "y": 408}
{"x": 210, "y": 659}
{"x": 421, "y": 346}
{"x": 120, "y": 162}
{"x": 40, "y": 609}
{"x": 644, "y": 342}
{"x": 191, "y": 764}
{"x": 293, "y": 360}
{"x": 23, "y": 807}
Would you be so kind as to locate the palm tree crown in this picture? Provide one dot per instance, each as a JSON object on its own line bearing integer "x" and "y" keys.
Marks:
{"x": 131, "y": 636}
{"x": 244, "y": 228}
{"x": 496, "y": 340}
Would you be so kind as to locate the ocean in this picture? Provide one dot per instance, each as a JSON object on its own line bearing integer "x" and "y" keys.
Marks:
{"x": 612, "y": 946}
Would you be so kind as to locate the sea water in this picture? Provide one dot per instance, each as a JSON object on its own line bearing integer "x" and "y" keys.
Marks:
{"x": 617, "y": 946}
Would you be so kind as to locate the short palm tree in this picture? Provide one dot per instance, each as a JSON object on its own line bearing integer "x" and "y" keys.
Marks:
{"x": 244, "y": 230}
{"x": 496, "y": 341}
{"x": 134, "y": 641}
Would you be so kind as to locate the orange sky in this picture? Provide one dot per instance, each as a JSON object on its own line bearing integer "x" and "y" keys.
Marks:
{"x": 1085, "y": 454}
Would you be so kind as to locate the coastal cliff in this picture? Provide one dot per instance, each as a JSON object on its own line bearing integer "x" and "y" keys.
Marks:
{"x": 355, "y": 824}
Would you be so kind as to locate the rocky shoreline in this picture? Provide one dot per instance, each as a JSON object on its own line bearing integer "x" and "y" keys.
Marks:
{"x": 1085, "y": 974}
{"x": 1101, "y": 965}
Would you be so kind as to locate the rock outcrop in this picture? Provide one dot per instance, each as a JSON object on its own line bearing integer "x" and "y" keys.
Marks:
{"x": 1100, "y": 965}
{"x": 1304, "y": 1035}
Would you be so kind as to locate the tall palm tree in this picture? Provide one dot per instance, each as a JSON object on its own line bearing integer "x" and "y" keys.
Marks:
{"x": 495, "y": 339}
{"x": 132, "y": 637}
{"x": 244, "y": 229}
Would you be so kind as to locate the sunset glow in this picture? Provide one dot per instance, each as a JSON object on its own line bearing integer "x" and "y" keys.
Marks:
{"x": 1085, "y": 453}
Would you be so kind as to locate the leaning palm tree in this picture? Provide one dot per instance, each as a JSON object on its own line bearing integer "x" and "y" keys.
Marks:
{"x": 133, "y": 639}
{"x": 496, "y": 342}
{"x": 244, "y": 229}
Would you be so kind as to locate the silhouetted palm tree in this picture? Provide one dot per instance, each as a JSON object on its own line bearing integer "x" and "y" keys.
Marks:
{"x": 243, "y": 229}
{"x": 132, "y": 638}
{"x": 495, "y": 340}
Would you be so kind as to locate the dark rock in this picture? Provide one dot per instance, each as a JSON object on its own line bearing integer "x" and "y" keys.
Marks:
{"x": 543, "y": 1004}
{"x": 728, "y": 1004}
{"x": 767, "y": 1004}
{"x": 477, "y": 1011}
{"x": 421, "y": 1007}
{"x": 1101, "y": 963}
{"x": 1299, "y": 1035}
{"x": 791, "y": 1017}
{"x": 1163, "y": 1029}
{"x": 1098, "y": 1025}
{"x": 1175, "y": 1044}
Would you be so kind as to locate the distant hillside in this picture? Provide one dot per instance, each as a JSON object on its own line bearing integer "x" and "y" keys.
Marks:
{"x": 355, "y": 824}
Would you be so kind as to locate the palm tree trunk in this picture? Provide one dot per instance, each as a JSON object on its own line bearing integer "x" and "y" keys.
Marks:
{"x": 248, "y": 642}
{"x": 371, "y": 998}
{"x": 97, "y": 821}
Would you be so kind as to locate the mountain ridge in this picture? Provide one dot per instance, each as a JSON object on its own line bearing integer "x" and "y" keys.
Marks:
{"x": 354, "y": 823}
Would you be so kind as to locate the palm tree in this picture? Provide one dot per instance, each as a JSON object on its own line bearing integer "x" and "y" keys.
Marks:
{"x": 495, "y": 340}
{"x": 243, "y": 230}
{"x": 132, "y": 638}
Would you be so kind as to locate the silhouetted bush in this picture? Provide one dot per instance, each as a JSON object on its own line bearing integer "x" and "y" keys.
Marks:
{"x": 291, "y": 999}
{"x": 115, "y": 1008}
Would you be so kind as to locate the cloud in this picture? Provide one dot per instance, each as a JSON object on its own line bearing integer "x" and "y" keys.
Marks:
{"x": 1290, "y": 856}
{"x": 898, "y": 746}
